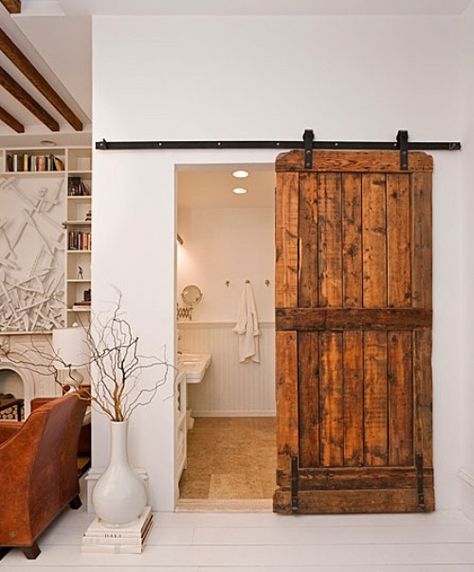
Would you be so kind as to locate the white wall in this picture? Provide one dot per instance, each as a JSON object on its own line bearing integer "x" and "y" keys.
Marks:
{"x": 262, "y": 78}
{"x": 227, "y": 244}
{"x": 467, "y": 338}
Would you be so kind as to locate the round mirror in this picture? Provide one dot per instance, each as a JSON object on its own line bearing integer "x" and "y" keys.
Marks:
{"x": 191, "y": 295}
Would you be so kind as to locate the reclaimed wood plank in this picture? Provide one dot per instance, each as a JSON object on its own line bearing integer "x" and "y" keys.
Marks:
{"x": 352, "y": 478}
{"x": 398, "y": 241}
{"x": 422, "y": 379}
{"x": 353, "y": 398}
{"x": 352, "y": 239}
{"x": 422, "y": 240}
{"x": 286, "y": 240}
{"x": 356, "y": 161}
{"x": 400, "y": 398}
{"x": 343, "y": 319}
{"x": 374, "y": 238}
{"x": 308, "y": 384}
{"x": 331, "y": 400}
{"x": 368, "y": 501}
{"x": 308, "y": 236}
{"x": 375, "y": 398}
{"x": 286, "y": 398}
{"x": 330, "y": 239}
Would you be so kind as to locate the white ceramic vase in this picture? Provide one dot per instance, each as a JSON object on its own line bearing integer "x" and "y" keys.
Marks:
{"x": 119, "y": 496}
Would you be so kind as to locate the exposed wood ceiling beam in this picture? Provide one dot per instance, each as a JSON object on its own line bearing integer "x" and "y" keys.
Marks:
{"x": 15, "y": 89}
{"x": 11, "y": 121}
{"x": 13, "y": 6}
{"x": 33, "y": 75}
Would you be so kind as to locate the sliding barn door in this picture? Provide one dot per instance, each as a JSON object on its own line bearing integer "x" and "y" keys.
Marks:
{"x": 353, "y": 342}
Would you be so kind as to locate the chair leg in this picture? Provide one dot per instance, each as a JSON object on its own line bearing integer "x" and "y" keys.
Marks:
{"x": 4, "y": 550}
{"x": 32, "y": 552}
{"x": 76, "y": 502}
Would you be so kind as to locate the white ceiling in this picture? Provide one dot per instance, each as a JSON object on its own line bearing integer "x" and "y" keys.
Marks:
{"x": 233, "y": 7}
{"x": 213, "y": 188}
{"x": 60, "y": 48}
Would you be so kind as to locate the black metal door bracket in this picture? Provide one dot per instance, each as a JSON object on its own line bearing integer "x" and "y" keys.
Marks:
{"x": 308, "y": 138}
{"x": 402, "y": 140}
{"x": 419, "y": 482}
{"x": 294, "y": 484}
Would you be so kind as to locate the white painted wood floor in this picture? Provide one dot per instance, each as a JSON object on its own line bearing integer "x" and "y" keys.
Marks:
{"x": 240, "y": 542}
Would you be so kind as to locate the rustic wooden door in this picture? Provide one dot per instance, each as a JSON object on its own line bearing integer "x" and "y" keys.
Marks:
{"x": 353, "y": 341}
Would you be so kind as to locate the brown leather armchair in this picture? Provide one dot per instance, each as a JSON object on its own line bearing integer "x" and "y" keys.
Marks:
{"x": 38, "y": 471}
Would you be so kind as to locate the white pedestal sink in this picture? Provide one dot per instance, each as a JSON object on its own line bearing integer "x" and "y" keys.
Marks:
{"x": 194, "y": 366}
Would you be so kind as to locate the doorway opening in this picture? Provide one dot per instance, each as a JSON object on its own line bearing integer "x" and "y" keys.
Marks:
{"x": 225, "y": 404}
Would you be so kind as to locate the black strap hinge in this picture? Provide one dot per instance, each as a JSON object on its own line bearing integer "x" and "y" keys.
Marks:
{"x": 419, "y": 482}
{"x": 402, "y": 140}
{"x": 294, "y": 484}
{"x": 308, "y": 138}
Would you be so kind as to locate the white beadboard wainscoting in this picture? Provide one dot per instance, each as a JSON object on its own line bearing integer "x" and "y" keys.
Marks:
{"x": 230, "y": 388}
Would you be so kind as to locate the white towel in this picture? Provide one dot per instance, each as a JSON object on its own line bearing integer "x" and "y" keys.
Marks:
{"x": 247, "y": 327}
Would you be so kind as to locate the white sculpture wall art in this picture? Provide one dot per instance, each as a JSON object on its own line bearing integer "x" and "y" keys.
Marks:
{"x": 31, "y": 253}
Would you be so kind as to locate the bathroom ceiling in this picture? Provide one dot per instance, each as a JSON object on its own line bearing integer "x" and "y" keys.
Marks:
{"x": 213, "y": 189}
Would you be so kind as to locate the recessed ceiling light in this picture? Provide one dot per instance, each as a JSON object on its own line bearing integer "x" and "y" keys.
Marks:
{"x": 239, "y": 191}
{"x": 240, "y": 174}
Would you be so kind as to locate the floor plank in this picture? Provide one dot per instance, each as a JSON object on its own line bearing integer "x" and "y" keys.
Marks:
{"x": 269, "y": 519}
{"x": 265, "y": 542}
{"x": 335, "y": 535}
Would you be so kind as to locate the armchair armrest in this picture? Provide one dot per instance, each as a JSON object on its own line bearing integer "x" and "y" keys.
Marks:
{"x": 8, "y": 429}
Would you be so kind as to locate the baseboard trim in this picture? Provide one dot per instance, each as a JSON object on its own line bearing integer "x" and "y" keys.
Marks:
{"x": 224, "y": 505}
{"x": 466, "y": 493}
{"x": 234, "y": 413}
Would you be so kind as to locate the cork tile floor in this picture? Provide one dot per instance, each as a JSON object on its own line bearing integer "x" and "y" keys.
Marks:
{"x": 230, "y": 458}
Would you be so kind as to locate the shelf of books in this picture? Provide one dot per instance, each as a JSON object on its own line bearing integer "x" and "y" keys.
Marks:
{"x": 78, "y": 236}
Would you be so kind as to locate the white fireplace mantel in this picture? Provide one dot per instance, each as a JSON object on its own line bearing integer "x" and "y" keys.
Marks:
{"x": 21, "y": 346}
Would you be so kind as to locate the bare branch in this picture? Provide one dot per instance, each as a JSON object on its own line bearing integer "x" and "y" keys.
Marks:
{"x": 114, "y": 360}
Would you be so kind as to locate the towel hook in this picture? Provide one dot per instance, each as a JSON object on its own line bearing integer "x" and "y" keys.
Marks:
{"x": 227, "y": 283}
{"x": 247, "y": 282}
{"x": 267, "y": 282}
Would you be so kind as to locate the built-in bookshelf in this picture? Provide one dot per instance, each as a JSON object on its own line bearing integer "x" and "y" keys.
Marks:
{"x": 70, "y": 170}
{"x": 79, "y": 235}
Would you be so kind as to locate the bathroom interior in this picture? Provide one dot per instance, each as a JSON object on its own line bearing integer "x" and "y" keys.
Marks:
{"x": 225, "y": 388}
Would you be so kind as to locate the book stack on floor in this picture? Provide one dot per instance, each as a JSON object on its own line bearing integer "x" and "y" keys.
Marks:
{"x": 127, "y": 539}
